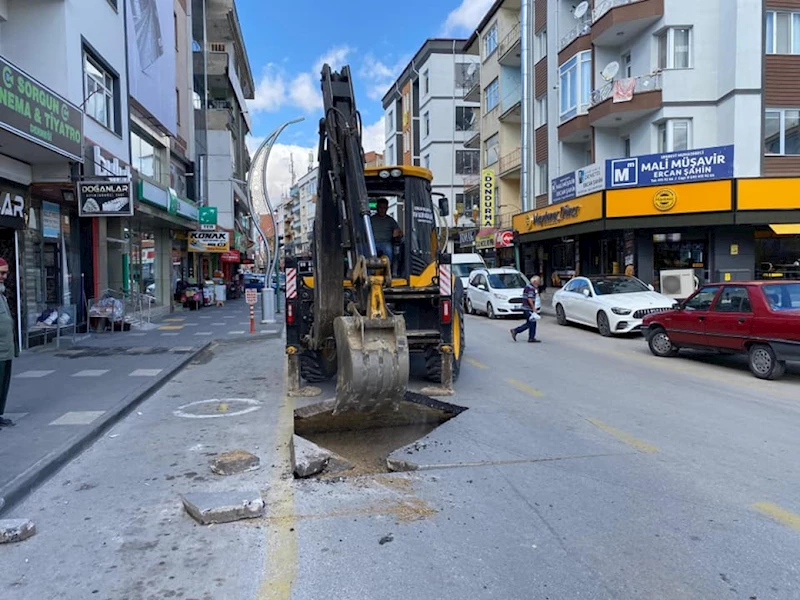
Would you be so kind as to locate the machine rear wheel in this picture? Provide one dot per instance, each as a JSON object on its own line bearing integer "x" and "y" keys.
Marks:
{"x": 316, "y": 367}
{"x": 433, "y": 358}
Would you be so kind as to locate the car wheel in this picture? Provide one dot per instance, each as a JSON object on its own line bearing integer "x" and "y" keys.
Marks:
{"x": 602, "y": 324}
{"x": 763, "y": 362}
{"x": 470, "y": 308}
{"x": 561, "y": 316}
{"x": 661, "y": 345}
{"x": 490, "y": 311}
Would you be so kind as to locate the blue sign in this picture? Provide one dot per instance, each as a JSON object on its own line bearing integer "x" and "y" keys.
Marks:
{"x": 51, "y": 220}
{"x": 563, "y": 188}
{"x": 675, "y": 167}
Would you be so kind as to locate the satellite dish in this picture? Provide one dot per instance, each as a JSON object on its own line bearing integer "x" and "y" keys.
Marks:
{"x": 581, "y": 10}
{"x": 610, "y": 71}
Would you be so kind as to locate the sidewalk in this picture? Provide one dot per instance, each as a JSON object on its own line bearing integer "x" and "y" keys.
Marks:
{"x": 62, "y": 399}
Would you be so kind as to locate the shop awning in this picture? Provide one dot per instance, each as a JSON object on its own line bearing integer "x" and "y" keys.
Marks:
{"x": 786, "y": 229}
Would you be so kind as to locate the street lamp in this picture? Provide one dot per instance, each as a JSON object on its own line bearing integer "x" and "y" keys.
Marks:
{"x": 257, "y": 184}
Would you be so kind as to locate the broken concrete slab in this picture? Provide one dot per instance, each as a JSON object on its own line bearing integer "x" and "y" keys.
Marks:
{"x": 16, "y": 530}
{"x": 236, "y": 461}
{"x": 307, "y": 458}
{"x": 224, "y": 507}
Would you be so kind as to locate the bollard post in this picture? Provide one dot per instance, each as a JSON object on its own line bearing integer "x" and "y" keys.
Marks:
{"x": 252, "y": 319}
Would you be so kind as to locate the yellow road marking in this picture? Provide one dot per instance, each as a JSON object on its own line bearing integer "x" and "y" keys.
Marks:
{"x": 781, "y": 515}
{"x": 170, "y": 327}
{"x": 281, "y": 532}
{"x": 626, "y": 438}
{"x": 475, "y": 363}
{"x": 524, "y": 387}
{"x": 222, "y": 407}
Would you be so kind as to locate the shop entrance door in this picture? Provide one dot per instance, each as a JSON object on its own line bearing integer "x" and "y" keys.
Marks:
{"x": 50, "y": 262}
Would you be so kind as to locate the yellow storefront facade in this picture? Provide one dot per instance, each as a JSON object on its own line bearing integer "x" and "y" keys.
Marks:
{"x": 733, "y": 229}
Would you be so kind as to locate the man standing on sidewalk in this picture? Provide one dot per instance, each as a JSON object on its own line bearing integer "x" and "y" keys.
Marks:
{"x": 531, "y": 304}
{"x": 8, "y": 346}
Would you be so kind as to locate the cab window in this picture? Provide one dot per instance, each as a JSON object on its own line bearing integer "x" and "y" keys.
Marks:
{"x": 703, "y": 299}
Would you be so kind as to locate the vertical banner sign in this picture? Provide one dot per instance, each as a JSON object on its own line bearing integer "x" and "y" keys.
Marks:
{"x": 487, "y": 198}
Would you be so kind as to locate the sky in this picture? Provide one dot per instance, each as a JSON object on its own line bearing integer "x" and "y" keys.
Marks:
{"x": 288, "y": 41}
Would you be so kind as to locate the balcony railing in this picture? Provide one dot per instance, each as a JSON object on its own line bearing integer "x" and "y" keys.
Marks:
{"x": 511, "y": 99}
{"x": 471, "y": 181}
{"x": 472, "y": 83}
{"x": 511, "y": 161}
{"x": 509, "y": 41}
{"x": 603, "y": 6}
{"x": 644, "y": 83}
{"x": 582, "y": 28}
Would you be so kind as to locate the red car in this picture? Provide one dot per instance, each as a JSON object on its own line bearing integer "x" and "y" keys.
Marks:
{"x": 760, "y": 318}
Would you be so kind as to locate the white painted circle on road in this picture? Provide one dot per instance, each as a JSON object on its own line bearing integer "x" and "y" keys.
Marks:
{"x": 215, "y": 408}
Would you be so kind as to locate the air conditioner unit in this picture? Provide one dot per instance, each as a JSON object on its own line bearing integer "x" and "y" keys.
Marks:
{"x": 678, "y": 283}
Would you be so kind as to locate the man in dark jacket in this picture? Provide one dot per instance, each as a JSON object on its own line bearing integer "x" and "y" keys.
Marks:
{"x": 8, "y": 346}
{"x": 531, "y": 304}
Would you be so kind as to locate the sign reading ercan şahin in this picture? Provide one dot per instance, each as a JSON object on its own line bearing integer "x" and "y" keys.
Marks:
{"x": 104, "y": 199}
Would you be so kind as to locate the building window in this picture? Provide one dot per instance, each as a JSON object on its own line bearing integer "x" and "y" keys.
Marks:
{"x": 540, "y": 116}
{"x": 178, "y": 104}
{"x": 674, "y": 135}
{"x": 427, "y": 119}
{"x": 406, "y": 142}
{"x": 147, "y": 156}
{"x": 468, "y": 162}
{"x": 390, "y": 125}
{"x": 540, "y": 46}
{"x": 426, "y": 161}
{"x": 675, "y": 48}
{"x": 783, "y": 33}
{"x": 627, "y": 68}
{"x": 99, "y": 91}
{"x": 491, "y": 149}
{"x": 492, "y": 95}
{"x": 542, "y": 182}
{"x": 426, "y": 82}
{"x": 782, "y": 131}
{"x": 490, "y": 41}
{"x": 626, "y": 147}
{"x": 467, "y": 75}
{"x": 391, "y": 159}
{"x": 465, "y": 118}
{"x": 575, "y": 89}
{"x": 176, "y": 30}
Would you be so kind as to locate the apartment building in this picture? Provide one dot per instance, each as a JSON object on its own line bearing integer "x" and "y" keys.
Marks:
{"x": 373, "y": 159}
{"x": 223, "y": 82}
{"x": 665, "y": 138}
{"x": 498, "y": 88}
{"x": 428, "y": 120}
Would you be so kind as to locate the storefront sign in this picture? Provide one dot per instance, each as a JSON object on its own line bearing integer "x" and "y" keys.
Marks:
{"x": 12, "y": 210}
{"x": 674, "y": 167}
{"x": 563, "y": 188}
{"x": 580, "y": 210}
{"x": 35, "y": 112}
{"x": 467, "y": 238}
{"x": 584, "y": 181}
{"x": 108, "y": 167}
{"x": 207, "y": 216}
{"x": 686, "y": 198}
{"x": 51, "y": 220}
{"x": 232, "y": 256}
{"x": 209, "y": 241}
{"x": 104, "y": 199}
{"x": 487, "y": 198}
{"x": 485, "y": 239}
{"x": 504, "y": 239}
{"x": 766, "y": 193}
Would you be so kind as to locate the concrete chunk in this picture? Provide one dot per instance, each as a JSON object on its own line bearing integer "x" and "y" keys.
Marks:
{"x": 16, "y": 530}
{"x": 307, "y": 458}
{"x": 237, "y": 461}
{"x": 224, "y": 507}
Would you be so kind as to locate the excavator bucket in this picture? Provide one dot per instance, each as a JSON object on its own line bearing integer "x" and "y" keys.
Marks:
{"x": 373, "y": 363}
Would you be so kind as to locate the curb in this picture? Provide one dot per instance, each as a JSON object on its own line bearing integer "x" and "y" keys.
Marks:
{"x": 43, "y": 469}
{"x": 251, "y": 337}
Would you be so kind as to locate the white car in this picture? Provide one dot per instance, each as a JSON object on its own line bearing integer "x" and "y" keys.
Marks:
{"x": 610, "y": 303}
{"x": 496, "y": 292}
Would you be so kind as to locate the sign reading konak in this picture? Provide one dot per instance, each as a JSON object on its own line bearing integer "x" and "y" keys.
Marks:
{"x": 209, "y": 241}
{"x": 33, "y": 111}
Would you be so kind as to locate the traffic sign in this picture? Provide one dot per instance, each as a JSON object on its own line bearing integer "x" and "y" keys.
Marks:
{"x": 251, "y": 296}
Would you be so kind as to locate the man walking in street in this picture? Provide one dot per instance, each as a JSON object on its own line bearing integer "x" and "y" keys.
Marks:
{"x": 8, "y": 346}
{"x": 531, "y": 304}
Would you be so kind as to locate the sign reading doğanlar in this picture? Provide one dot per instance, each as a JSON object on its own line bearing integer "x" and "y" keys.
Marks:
{"x": 104, "y": 199}
{"x": 209, "y": 241}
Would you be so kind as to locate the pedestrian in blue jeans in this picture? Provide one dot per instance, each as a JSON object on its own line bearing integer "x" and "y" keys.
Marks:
{"x": 531, "y": 305}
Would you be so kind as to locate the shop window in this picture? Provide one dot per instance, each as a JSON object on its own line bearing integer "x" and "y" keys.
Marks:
{"x": 675, "y": 48}
{"x": 101, "y": 87}
{"x": 670, "y": 251}
{"x": 782, "y": 131}
{"x": 147, "y": 157}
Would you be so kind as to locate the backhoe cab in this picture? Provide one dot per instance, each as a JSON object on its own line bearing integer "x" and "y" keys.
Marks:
{"x": 350, "y": 311}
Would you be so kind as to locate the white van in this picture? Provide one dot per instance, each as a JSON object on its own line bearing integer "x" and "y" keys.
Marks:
{"x": 464, "y": 264}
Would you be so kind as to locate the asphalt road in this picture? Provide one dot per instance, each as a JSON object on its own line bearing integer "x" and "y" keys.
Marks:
{"x": 583, "y": 468}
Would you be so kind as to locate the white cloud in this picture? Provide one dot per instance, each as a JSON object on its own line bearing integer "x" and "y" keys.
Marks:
{"x": 335, "y": 57}
{"x": 304, "y": 94}
{"x": 465, "y": 17}
{"x": 373, "y": 137}
{"x": 270, "y": 93}
{"x": 380, "y": 75}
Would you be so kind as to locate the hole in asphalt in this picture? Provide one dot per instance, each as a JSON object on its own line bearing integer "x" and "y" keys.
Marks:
{"x": 367, "y": 439}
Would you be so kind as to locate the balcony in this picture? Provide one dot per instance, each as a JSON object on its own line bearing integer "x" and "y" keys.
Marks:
{"x": 614, "y": 104}
{"x": 472, "y": 87}
{"x": 471, "y": 181}
{"x": 618, "y": 22}
{"x": 509, "y": 50}
{"x": 582, "y": 28}
{"x": 474, "y": 139}
{"x": 218, "y": 119}
{"x": 510, "y": 164}
{"x": 511, "y": 107}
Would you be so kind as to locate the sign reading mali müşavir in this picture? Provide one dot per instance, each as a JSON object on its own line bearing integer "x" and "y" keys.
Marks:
{"x": 33, "y": 111}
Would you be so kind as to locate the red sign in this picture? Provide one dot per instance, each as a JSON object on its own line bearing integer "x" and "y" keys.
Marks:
{"x": 230, "y": 257}
{"x": 504, "y": 239}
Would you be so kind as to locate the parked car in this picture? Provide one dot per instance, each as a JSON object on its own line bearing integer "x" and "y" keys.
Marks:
{"x": 281, "y": 277}
{"x": 496, "y": 292}
{"x": 254, "y": 281}
{"x": 612, "y": 304}
{"x": 759, "y": 318}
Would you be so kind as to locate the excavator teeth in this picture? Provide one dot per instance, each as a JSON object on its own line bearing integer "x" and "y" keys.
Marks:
{"x": 373, "y": 363}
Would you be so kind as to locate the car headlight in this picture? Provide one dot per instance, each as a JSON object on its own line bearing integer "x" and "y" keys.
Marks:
{"x": 500, "y": 296}
{"x": 621, "y": 311}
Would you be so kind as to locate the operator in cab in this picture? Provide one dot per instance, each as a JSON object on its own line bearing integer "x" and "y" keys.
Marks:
{"x": 385, "y": 229}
